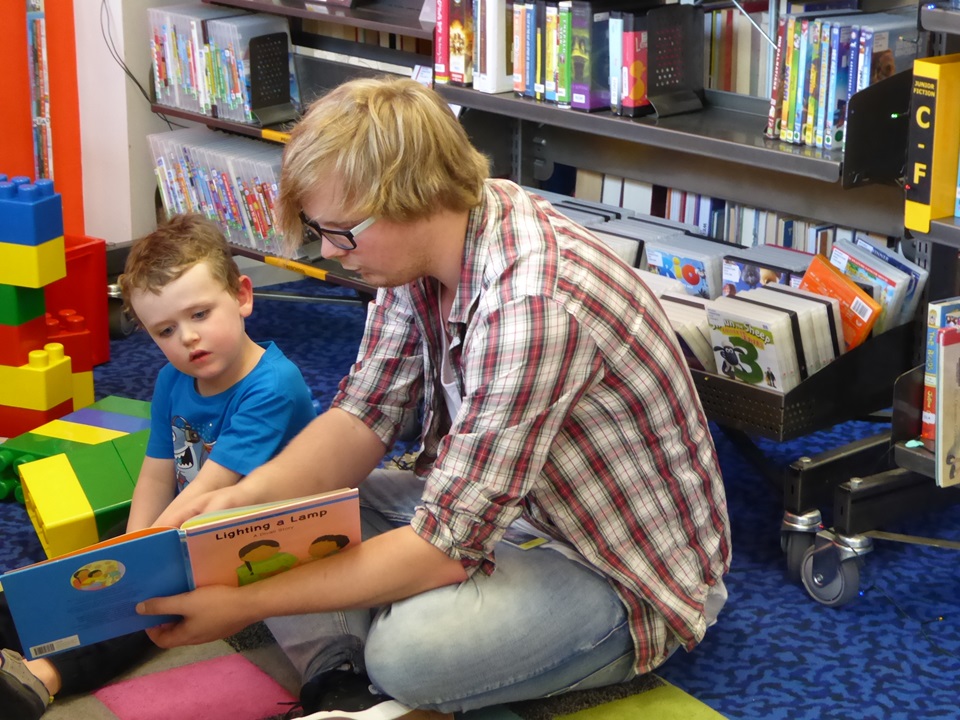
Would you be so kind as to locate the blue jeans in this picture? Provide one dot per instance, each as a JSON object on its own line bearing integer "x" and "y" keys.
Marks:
{"x": 540, "y": 625}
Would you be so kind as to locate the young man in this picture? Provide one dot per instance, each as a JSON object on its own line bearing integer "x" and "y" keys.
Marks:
{"x": 223, "y": 405}
{"x": 554, "y": 392}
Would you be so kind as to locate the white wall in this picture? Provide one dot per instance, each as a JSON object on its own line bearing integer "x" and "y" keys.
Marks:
{"x": 118, "y": 180}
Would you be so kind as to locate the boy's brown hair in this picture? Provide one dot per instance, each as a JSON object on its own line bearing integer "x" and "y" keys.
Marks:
{"x": 174, "y": 247}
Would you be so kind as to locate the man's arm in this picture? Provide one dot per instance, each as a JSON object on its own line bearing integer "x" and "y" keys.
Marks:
{"x": 154, "y": 491}
{"x": 335, "y": 450}
{"x": 212, "y": 476}
{"x": 389, "y": 567}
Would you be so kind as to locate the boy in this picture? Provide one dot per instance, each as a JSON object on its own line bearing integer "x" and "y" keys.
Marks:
{"x": 223, "y": 405}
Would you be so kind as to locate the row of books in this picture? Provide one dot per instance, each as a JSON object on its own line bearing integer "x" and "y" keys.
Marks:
{"x": 582, "y": 54}
{"x": 202, "y": 60}
{"x": 822, "y": 60}
{"x": 230, "y": 179}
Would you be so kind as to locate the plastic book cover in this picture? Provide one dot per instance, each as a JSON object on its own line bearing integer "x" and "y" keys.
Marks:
{"x": 947, "y": 447}
{"x": 892, "y": 284}
{"x": 940, "y": 314}
{"x": 590, "y": 53}
{"x": 858, "y": 310}
{"x": 917, "y": 275}
{"x": 747, "y": 350}
{"x": 91, "y": 594}
{"x": 691, "y": 271}
{"x": 836, "y": 112}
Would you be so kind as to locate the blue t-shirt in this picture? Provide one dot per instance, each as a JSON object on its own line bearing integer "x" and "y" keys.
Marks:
{"x": 240, "y": 428}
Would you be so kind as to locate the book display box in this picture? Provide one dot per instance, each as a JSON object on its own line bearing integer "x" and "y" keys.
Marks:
{"x": 718, "y": 149}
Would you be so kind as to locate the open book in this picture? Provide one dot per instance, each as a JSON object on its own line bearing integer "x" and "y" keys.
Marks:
{"x": 90, "y": 595}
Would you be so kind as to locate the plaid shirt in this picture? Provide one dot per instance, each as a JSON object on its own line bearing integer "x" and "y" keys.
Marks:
{"x": 578, "y": 414}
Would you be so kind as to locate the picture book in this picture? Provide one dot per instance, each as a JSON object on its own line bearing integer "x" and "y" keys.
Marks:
{"x": 917, "y": 275}
{"x": 947, "y": 447}
{"x": 90, "y": 595}
{"x": 940, "y": 314}
{"x": 858, "y": 310}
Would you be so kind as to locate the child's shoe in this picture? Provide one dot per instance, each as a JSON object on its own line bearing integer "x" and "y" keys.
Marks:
{"x": 22, "y": 695}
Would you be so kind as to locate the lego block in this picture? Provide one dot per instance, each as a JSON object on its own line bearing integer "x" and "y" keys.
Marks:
{"x": 124, "y": 406}
{"x": 132, "y": 449}
{"x": 32, "y": 266}
{"x": 69, "y": 329}
{"x": 30, "y": 214}
{"x": 45, "y": 381}
{"x": 109, "y": 420}
{"x": 84, "y": 290}
{"x": 20, "y": 304}
{"x": 57, "y": 505}
{"x": 106, "y": 484}
{"x": 18, "y": 341}
{"x": 83, "y": 389}
{"x": 15, "y": 421}
{"x": 63, "y": 429}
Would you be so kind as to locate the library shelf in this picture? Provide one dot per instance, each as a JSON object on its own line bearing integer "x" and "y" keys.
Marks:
{"x": 938, "y": 17}
{"x": 379, "y": 15}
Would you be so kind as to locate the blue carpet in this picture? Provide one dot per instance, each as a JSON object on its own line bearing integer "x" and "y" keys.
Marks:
{"x": 775, "y": 654}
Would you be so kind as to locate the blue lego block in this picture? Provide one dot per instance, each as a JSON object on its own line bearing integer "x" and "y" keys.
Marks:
{"x": 30, "y": 213}
{"x": 108, "y": 420}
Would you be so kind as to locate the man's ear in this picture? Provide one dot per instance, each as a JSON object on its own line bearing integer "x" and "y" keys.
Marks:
{"x": 245, "y": 296}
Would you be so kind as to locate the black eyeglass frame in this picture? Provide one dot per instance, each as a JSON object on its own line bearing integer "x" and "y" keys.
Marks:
{"x": 317, "y": 234}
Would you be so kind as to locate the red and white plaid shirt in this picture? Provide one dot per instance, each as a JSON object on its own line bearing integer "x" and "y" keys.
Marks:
{"x": 579, "y": 414}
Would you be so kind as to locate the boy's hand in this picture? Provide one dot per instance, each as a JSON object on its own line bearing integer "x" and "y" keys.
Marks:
{"x": 178, "y": 513}
{"x": 209, "y": 613}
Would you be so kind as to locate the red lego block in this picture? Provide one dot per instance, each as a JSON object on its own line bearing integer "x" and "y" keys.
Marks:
{"x": 17, "y": 341}
{"x": 17, "y": 421}
{"x": 70, "y": 330}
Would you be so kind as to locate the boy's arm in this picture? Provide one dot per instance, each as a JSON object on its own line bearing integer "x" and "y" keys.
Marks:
{"x": 334, "y": 451}
{"x": 155, "y": 489}
{"x": 212, "y": 476}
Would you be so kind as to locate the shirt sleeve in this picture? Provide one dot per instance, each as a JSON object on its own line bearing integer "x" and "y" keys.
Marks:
{"x": 526, "y": 366}
{"x": 160, "y": 442}
{"x": 387, "y": 379}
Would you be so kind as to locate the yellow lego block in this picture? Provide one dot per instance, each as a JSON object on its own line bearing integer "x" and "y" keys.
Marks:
{"x": 77, "y": 432}
{"x": 83, "y": 389}
{"x": 57, "y": 505}
{"x": 33, "y": 266}
{"x": 44, "y": 382}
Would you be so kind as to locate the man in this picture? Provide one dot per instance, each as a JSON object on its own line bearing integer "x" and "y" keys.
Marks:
{"x": 554, "y": 394}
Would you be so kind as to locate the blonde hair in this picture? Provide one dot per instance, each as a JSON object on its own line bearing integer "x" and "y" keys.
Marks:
{"x": 389, "y": 145}
{"x": 174, "y": 247}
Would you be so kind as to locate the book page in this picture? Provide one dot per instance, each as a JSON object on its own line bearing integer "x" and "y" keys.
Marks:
{"x": 248, "y": 545}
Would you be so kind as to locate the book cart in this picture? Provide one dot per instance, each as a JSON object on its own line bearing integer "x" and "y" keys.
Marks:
{"x": 719, "y": 150}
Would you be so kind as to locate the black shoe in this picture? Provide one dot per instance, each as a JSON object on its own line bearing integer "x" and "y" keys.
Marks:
{"x": 346, "y": 694}
{"x": 23, "y": 696}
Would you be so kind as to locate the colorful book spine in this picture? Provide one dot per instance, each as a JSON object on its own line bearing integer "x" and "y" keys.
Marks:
{"x": 940, "y": 314}
{"x": 564, "y": 48}
{"x": 494, "y": 71}
{"x": 799, "y": 110}
{"x": 837, "y": 89}
{"x": 550, "y": 52}
{"x": 791, "y": 43}
{"x": 813, "y": 83}
{"x": 634, "y": 100}
{"x": 853, "y": 68}
{"x": 933, "y": 145}
{"x": 441, "y": 43}
{"x": 519, "y": 48}
{"x": 461, "y": 43}
{"x": 865, "y": 62}
{"x": 615, "y": 45}
{"x": 530, "y": 49}
{"x": 820, "y": 122}
{"x": 776, "y": 82}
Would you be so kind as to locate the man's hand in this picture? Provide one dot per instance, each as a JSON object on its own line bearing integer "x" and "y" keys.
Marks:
{"x": 178, "y": 513}
{"x": 209, "y": 613}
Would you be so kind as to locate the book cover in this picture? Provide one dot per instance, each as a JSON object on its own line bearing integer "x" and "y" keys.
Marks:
{"x": 820, "y": 118}
{"x": 776, "y": 82}
{"x": 550, "y": 53}
{"x": 746, "y": 349}
{"x": 519, "y": 48}
{"x": 634, "y": 101}
{"x": 947, "y": 442}
{"x": 862, "y": 265}
{"x": 858, "y": 310}
{"x": 933, "y": 143}
{"x": 591, "y": 58}
{"x": 917, "y": 275}
{"x": 791, "y": 44}
{"x": 91, "y": 594}
{"x": 940, "y": 314}
{"x": 564, "y": 49}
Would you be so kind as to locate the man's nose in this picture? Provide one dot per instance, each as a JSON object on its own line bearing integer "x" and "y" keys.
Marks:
{"x": 331, "y": 251}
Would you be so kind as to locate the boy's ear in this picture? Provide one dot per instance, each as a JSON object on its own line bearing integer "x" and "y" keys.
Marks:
{"x": 245, "y": 296}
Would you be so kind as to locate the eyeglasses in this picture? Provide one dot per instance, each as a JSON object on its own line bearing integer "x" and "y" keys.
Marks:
{"x": 342, "y": 239}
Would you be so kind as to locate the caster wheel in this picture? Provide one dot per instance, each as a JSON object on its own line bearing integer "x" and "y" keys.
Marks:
{"x": 795, "y": 545}
{"x": 841, "y": 588}
{"x": 121, "y": 324}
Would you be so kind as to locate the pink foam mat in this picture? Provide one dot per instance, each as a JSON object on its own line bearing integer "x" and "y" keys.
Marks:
{"x": 223, "y": 688}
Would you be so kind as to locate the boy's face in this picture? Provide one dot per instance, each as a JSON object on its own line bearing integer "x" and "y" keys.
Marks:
{"x": 198, "y": 324}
